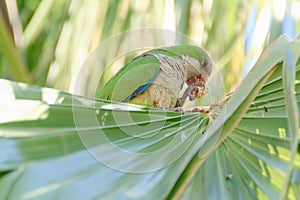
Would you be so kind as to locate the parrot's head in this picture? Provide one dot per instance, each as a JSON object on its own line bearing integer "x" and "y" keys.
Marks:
{"x": 196, "y": 66}
{"x": 196, "y": 62}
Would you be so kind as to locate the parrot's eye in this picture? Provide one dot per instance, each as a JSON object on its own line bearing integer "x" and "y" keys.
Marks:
{"x": 203, "y": 63}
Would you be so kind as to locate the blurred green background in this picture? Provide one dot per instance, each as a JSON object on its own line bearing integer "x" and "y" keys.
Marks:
{"x": 52, "y": 39}
{"x": 47, "y": 42}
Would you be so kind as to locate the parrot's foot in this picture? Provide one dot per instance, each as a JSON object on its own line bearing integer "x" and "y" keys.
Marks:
{"x": 196, "y": 89}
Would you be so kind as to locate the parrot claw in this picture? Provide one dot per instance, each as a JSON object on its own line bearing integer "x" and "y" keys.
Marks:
{"x": 196, "y": 89}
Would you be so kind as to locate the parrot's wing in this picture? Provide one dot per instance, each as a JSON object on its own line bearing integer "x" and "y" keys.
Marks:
{"x": 133, "y": 79}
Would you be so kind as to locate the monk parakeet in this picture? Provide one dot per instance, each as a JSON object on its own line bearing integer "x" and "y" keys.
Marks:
{"x": 156, "y": 77}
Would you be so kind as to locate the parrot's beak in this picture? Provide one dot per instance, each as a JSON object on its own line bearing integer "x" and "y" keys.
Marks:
{"x": 196, "y": 79}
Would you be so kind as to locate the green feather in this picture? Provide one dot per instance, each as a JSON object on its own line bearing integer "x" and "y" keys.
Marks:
{"x": 136, "y": 73}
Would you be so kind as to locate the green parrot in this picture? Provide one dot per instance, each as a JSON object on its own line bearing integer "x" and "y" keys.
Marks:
{"x": 156, "y": 77}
